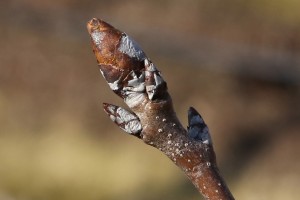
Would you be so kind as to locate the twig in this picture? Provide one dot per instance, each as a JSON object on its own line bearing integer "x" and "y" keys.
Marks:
{"x": 132, "y": 76}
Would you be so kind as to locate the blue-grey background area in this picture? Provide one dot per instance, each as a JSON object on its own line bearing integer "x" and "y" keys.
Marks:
{"x": 236, "y": 62}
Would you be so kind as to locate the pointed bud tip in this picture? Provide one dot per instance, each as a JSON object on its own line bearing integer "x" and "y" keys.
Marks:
{"x": 92, "y": 25}
{"x": 108, "y": 107}
{"x": 97, "y": 24}
{"x": 192, "y": 111}
{"x": 105, "y": 105}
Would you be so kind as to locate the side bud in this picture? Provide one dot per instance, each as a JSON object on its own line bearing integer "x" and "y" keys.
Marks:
{"x": 126, "y": 120}
{"x": 197, "y": 128}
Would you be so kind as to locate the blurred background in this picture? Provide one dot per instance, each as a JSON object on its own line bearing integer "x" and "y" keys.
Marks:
{"x": 237, "y": 62}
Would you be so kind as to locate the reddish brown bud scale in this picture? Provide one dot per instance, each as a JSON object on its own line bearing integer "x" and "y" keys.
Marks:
{"x": 108, "y": 45}
{"x": 105, "y": 38}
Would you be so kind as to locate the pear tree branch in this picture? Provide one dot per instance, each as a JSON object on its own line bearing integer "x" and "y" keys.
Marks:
{"x": 134, "y": 77}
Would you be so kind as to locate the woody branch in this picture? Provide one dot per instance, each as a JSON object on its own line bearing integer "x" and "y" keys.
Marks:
{"x": 133, "y": 77}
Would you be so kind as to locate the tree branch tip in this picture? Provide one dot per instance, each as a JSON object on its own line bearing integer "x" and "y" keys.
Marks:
{"x": 133, "y": 77}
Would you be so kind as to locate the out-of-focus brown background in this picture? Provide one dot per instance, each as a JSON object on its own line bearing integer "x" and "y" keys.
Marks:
{"x": 237, "y": 62}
